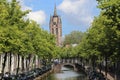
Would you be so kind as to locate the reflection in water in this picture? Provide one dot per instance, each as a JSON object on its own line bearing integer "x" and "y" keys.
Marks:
{"x": 67, "y": 74}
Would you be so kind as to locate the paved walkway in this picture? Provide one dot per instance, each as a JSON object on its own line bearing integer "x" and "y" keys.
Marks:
{"x": 109, "y": 77}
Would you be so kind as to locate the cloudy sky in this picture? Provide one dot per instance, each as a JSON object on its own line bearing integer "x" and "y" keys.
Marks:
{"x": 75, "y": 14}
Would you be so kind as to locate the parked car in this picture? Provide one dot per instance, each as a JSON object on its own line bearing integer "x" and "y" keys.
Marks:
{"x": 37, "y": 71}
{"x": 6, "y": 76}
{"x": 43, "y": 69}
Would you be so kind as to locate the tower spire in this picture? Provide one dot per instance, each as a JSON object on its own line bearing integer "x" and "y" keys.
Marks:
{"x": 55, "y": 26}
{"x": 55, "y": 11}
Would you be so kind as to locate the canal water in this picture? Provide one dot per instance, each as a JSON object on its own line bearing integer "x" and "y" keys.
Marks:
{"x": 67, "y": 73}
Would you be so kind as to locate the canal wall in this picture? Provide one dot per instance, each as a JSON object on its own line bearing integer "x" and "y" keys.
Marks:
{"x": 55, "y": 69}
{"x": 44, "y": 75}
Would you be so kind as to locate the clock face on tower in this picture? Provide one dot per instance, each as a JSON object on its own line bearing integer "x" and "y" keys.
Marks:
{"x": 54, "y": 23}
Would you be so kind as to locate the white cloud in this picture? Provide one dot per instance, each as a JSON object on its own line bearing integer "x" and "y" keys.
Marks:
{"x": 23, "y": 6}
{"x": 78, "y": 12}
{"x": 38, "y": 16}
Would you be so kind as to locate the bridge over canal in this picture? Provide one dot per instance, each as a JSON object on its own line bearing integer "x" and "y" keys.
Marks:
{"x": 75, "y": 63}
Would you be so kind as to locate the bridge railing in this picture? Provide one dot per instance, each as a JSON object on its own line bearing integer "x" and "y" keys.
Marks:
{"x": 70, "y": 60}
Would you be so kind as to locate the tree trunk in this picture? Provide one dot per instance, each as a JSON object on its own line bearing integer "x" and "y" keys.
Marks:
{"x": 10, "y": 63}
{"x": 38, "y": 63}
{"x": 23, "y": 64}
{"x": 115, "y": 72}
{"x": 100, "y": 67}
{"x": 35, "y": 61}
{"x": 26, "y": 64}
{"x": 18, "y": 63}
{"x": 100, "y": 64}
{"x": 106, "y": 66}
{"x": 29, "y": 63}
{"x": 4, "y": 64}
{"x": 93, "y": 63}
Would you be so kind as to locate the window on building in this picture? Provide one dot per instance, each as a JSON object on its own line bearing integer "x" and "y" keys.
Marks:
{"x": 54, "y": 23}
{"x": 56, "y": 30}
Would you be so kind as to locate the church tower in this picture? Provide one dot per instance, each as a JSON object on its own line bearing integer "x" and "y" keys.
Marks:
{"x": 55, "y": 26}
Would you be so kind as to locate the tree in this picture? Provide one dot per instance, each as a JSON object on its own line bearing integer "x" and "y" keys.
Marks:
{"x": 102, "y": 39}
{"x": 22, "y": 37}
{"x": 111, "y": 10}
{"x": 73, "y": 38}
